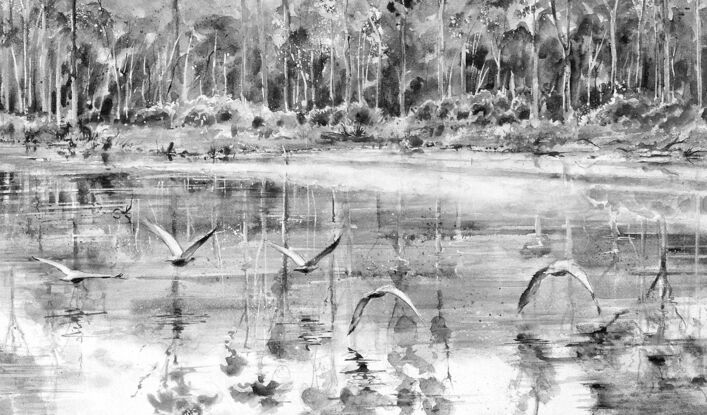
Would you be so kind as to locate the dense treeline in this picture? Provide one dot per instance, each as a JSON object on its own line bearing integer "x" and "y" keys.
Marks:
{"x": 108, "y": 58}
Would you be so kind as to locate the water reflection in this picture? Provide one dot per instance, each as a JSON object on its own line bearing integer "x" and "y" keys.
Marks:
{"x": 463, "y": 258}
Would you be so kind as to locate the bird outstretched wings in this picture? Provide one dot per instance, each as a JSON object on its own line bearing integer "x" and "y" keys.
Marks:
{"x": 172, "y": 243}
{"x": 299, "y": 260}
{"x": 377, "y": 293}
{"x": 294, "y": 256}
{"x": 556, "y": 269}
{"x": 61, "y": 267}
{"x": 165, "y": 236}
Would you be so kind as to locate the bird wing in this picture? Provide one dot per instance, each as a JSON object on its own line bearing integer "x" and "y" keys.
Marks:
{"x": 328, "y": 250}
{"x": 165, "y": 236}
{"x": 61, "y": 267}
{"x": 379, "y": 292}
{"x": 196, "y": 245}
{"x": 87, "y": 276}
{"x": 532, "y": 288}
{"x": 570, "y": 267}
{"x": 294, "y": 256}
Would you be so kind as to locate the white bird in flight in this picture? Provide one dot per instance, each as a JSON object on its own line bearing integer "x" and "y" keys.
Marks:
{"x": 306, "y": 266}
{"x": 72, "y": 275}
{"x": 556, "y": 269}
{"x": 180, "y": 257}
{"x": 377, "y": 293}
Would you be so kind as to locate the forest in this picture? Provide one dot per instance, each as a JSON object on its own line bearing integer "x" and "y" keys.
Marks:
{"x": 555, "y": 59}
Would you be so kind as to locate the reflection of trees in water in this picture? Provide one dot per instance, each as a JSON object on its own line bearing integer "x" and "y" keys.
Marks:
{"x": 536, "y": 372}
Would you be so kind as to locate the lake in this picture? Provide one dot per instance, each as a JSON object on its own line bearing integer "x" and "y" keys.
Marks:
{"x": 461, "y": 233}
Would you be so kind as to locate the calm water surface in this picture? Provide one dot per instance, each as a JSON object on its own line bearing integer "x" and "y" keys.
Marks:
{"x": 459, "y": 236}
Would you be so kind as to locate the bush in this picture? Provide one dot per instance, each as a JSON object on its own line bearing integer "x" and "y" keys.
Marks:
{"x": 224, "y": 114}
{"x": 320, "y": 117}
{"x": 445, "y": 109}
{"x": 200, "y": 116}
{"x": 258, "y": 121}
{"x": 336, "y": 117}
{"x": 153, "y": 115}
{"x": 426, "y": 111}
{"x": 362, "y": 115}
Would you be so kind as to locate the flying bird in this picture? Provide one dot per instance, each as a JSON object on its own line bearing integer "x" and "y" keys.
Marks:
{"x": 303, "y": 265}
{"x": 556, "y": 269}
{"x": 377, "y": 293}
{"x": 72, "y": 275}
{"x": 180, "y": 257}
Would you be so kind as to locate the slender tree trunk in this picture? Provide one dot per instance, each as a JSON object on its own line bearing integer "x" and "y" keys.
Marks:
{"x": 403, "y": 66}
{"x": 667, "y": 95}
{"x": 174, "y": 62}
{"x": 656, "y": 53}
{"x": 614, "y": 53}
{"x": 57, "y": 62}
{"x": 286, "y": 46}
{"x": 698, "y": 53}
{"x": 20, "y": 99}
{"x": 117, "y": 81}
{"x": 74, "y": 117}
{"x": 535, "y": 91}
{"x": 185, "y": 85}
{"x": 244, "y": 48}
{"x": 639, "y": 48}
{"x": 263, "y": 54}
{"x": 225, "y": 76}
{"x": 379, "y": 41}
{"x": 311, "y": 78}
{"x": 214, "y": 87}
{"x": 347, "y": 56}
{"x": 331, "y": 66}
{"x": 462, "y": 70}
{"x": 440, "y": 50}
{"x": 24, "y": 27}
{"x": 44, "y": 64}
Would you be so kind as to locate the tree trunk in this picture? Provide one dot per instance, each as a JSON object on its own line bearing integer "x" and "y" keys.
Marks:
{"x": 20, "y": 99}
{"x": 535, "y": 91}
{"x": 462, "y": 70}
{"x": 174, "y": 63}
{"x": 263, "y": 54}
{"x": 311, "y": 78}
{"x": 185, "y": 85}
{"x": 57, "y": 62}
{"x": 331, "y": 66}
{"x": 667, "y": 96}
{"x": 403, "y": 68}
{"x": 214, "y": 87}
{"x": 639, "y": 48}
{"x": 286, "y": 46}
{"x": 347, "y": 56}
{"x": 117, "y": 80}
{"x": 244, "y": 48}
{"x": 614, "y": 56}
{"x": 74, "y": 116}
{"x": 440, "y": 51}
{"x": 44, "y": 64}
{"x": 698, "y": 53}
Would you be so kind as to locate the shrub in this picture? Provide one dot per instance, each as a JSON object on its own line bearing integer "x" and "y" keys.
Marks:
{"x": 445, "y": 109}
{"x": 336, "y": 117}
{"x": 224, "y": 114}
{"x": 320, "y": 117}
{"x": 258, "y": 121}
{"x": 362, "y": 115}
{"x": 200, "y": 116}
{"x": 426, "y": 111}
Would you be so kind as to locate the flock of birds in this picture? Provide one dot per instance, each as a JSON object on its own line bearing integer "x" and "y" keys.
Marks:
{"x": 182, "y": 257}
